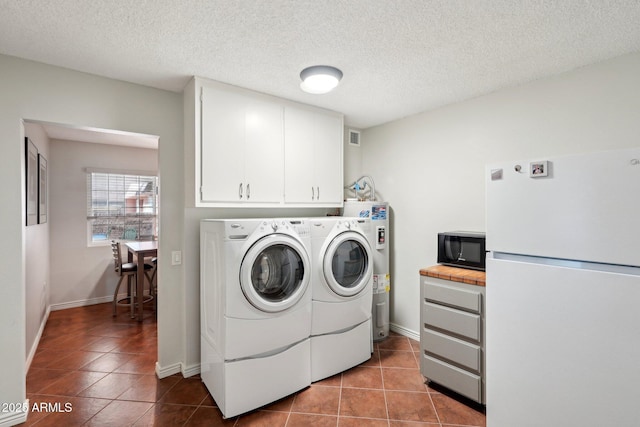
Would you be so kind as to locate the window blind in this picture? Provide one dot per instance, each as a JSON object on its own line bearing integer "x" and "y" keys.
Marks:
{"x": 121, "y": 206}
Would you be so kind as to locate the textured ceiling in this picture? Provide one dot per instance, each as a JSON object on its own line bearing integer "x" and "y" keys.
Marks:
{"x": 399, "y": 57}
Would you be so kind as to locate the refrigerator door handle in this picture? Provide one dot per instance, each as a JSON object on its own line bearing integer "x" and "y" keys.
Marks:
{"x": 567, "y": 263}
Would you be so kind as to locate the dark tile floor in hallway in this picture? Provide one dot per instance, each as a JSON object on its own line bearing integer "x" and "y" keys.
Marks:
{"x": 97, "y": 370}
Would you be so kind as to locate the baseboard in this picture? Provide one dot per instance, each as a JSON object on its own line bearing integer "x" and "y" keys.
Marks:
{"x": 36, "y": 341}
{"x": 167, "y": 371}
{"x": 13, "y": 418}
{"x": 81, "y": 303}
{"x": 189, "y": 371}
{"x": 177, "y": 368}
{"x": 404, "y": 331}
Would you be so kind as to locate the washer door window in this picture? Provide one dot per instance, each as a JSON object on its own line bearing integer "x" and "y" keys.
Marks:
{"x": 347, "y": 264}
{"x": 275, "y": 273}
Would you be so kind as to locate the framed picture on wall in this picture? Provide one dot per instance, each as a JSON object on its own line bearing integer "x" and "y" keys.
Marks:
{"x": 31, "y": 166}
{"x": 42, "y": 189}
{"x": 539, "y": 169}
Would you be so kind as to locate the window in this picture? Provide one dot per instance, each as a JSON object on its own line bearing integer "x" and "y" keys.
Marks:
{"x": 121, "y": 207}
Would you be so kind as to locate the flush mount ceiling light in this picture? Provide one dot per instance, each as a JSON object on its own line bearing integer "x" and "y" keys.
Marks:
{"x": 320, "y": 79}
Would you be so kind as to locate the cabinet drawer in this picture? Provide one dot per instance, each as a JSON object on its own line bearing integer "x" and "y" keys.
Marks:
{"x": 459, "y": 322}
{"x": 456, "y": 379}
{"x": 453, "y": 349}
{"x": 455, "y": 297}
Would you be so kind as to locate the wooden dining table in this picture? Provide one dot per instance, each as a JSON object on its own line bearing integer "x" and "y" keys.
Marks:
{"x": 139, "y": 251}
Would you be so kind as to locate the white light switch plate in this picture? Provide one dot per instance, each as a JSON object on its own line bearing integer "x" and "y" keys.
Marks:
{"x": 176, "y": 257}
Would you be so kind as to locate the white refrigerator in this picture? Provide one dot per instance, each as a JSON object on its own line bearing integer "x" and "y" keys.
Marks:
{"x": 563, "y": 291}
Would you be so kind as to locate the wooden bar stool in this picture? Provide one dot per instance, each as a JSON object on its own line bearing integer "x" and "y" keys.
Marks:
{"x": 128, "y": 270}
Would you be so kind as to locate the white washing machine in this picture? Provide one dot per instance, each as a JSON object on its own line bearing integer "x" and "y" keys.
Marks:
{"x": 255, "y": 310}
{"x": 341, "y": 294}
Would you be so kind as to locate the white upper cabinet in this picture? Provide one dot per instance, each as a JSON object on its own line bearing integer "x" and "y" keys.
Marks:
{"x": 312, "y": 157}
{"x": 241, "y": 149}
{"x": 251, "y": 149}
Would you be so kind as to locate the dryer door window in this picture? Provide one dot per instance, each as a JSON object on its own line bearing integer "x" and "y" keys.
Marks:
{"x": 347, "y": 264}
{"x": 274, "y": 273}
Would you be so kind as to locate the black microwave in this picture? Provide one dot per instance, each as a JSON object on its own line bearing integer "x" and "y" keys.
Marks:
{"x": 464, "y": 249}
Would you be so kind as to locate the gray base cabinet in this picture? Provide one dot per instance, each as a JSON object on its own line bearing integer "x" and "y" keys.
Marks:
{"x": 452, "y": 336}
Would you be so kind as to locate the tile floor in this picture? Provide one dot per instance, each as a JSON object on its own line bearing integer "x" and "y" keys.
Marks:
{"x": 97, "y": 370}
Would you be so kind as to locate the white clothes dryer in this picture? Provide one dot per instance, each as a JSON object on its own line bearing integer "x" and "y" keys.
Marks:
{"x": 255, "y": 310}
{"x": 341, "y": 283}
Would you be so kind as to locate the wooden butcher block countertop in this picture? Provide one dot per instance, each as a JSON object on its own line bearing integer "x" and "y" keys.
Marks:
{"x": 455, "y": 274}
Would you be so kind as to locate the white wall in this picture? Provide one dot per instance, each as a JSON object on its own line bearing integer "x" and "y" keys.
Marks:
{"x": 45, "y": 93}
{"x": 37, "y": 238}
{"x": 430, "y": 167}
{"x": 352, "y": 156}
{"x": 81, "y": 274}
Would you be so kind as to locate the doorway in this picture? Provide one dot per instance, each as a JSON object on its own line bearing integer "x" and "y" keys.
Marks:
{"x": 64, "y": 268}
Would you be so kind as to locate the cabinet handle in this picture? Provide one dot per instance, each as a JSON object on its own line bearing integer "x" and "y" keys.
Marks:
{"x": 318, "y": 193}
{"x": 248, "y": 191}
{"x": 313, "y": 194}
{"x": 240, "y": 191}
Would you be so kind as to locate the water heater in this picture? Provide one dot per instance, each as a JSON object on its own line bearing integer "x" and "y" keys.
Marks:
{"x": 379, "y": 239}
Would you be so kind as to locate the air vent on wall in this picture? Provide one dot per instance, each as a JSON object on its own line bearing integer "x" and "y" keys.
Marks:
{"x": 354, "y": 137}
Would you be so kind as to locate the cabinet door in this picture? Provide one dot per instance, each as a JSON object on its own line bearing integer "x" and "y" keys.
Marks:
{"x": 298, "y": 155}
{"x": 263, "y": 155}
{"x": 222, "y": 145}
{"x": 313, "y": 157}
{"x": 242, "y": 148}
{"x": 328, "y": 132}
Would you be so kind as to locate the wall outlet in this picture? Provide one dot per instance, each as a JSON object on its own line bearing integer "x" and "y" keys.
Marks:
{"x": 176, "y": 257}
